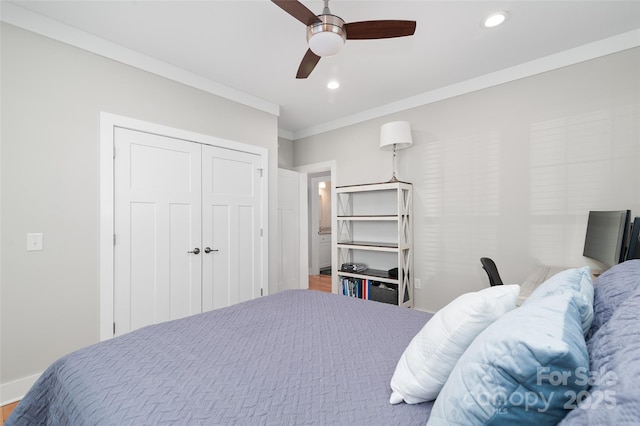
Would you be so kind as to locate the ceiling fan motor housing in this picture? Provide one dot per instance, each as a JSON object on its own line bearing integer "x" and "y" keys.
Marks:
{"x": 326, "y": 37}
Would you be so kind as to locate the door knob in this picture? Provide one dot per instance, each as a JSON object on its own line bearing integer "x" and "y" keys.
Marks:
{"x": 209, "y": 250}
{"x": 194, "y": 251}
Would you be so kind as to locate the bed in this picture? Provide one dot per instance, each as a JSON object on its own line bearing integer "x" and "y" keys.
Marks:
{"x": 295, "y": 357}
{"x": 303, "y": 357}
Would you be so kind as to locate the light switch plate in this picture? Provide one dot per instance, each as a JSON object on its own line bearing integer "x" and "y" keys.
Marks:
{"x": 34, "y": 241}
{"x": 417, "y": 283}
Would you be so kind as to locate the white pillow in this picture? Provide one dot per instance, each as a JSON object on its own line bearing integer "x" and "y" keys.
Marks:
{"x": 427, "y": 362}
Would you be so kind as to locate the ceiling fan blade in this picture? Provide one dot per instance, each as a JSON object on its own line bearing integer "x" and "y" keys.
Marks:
{"x": 367, "y": 30}
{"x": 307, "y": 65}
{"x": 297, "y": 10}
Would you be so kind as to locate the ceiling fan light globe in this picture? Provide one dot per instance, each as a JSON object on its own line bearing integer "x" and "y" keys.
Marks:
{"x": 326, "y": 37}
{"x": 326, "y": 43}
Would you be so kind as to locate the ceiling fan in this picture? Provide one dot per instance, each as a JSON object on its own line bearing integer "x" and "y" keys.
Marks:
{"x": 326, "y": 33}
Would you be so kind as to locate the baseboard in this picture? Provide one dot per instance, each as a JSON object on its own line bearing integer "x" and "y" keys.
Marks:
{"x": 14, "y": 391}
{"x": 423, "y": 310}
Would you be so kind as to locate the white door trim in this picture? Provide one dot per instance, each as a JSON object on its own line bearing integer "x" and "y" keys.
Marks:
{"x": 108, "y": 123}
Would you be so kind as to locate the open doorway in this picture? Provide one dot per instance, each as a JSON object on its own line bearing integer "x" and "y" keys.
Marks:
{"x": 320, "y": 224}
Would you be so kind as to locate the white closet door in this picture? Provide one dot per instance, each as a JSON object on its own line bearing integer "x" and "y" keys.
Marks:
{"x": 157, "y": 223}
{"x": 231, "y": 227}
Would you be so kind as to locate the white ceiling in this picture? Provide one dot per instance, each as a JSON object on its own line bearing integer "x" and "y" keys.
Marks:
{"x": 255, "y": 47}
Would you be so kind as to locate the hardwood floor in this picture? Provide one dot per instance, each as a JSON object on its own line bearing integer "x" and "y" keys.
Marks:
{"x": 6, "y": 410}
{"x": 320, "y": 283}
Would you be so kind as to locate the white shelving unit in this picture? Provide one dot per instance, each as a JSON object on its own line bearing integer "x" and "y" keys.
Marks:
{"x": 374, "y": 228}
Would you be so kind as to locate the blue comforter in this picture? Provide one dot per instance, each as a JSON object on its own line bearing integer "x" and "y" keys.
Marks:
{"x": 296, "y": 357}
{"x": 614, "y": 351}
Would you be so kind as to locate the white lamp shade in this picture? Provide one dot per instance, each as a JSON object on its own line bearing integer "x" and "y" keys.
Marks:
{"x": 396, "y": 133}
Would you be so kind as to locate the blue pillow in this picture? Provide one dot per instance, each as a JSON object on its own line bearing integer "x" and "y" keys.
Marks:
{"x": 525, "y": 368}
{"x": 577, "y": 282}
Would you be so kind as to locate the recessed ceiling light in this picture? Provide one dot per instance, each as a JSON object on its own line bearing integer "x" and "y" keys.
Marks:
{"x": 333, "y": 85}
{"x": 494, "y": 19}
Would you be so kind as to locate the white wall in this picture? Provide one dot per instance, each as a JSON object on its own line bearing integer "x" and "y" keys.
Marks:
{"x": 508, "y": 172}
{"x": 52, "y": 96}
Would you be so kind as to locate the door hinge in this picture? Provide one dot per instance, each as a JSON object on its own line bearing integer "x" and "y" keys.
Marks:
{"x": 114, "y": 239}
{"x": 114, "y": 151}
{"x": 260, "y": 295}
{"x": 114, "y": 328}
{"x": 260, "y": 170}
{"x": 261, "y": 233}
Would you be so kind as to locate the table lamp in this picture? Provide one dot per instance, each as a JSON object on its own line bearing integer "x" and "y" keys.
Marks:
{"x": 393, "y": 136}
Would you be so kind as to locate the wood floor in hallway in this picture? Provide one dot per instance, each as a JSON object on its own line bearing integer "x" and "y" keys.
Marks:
{"x": 320, "y": 283}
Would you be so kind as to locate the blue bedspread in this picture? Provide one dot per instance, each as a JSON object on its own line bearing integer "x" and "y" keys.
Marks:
{"x": 614, "y": 351}
{"x": 296, "y": 357}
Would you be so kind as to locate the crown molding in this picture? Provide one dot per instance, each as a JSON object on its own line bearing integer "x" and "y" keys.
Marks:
{"x": 284, "y": 133}
{"x": 624, "y": 41}
{"x": 39, "y": 24}
{"x": 42, "y": 25}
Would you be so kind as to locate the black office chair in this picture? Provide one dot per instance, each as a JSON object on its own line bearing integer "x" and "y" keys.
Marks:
{"x": 492, "y": 271}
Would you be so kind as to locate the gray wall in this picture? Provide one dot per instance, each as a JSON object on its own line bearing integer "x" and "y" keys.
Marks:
{"x": 52, "y": 96}
{"x": 508, "y": 172}
{"x": 285, "y": 153}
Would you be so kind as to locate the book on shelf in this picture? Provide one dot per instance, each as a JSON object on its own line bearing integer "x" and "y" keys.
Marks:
{"x": 355, "y": 287}
{"x": 367, "y": 289}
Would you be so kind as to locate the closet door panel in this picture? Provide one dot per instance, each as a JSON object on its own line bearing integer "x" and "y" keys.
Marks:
{"x": 216, "y": 265}
{"x": 231, "y": 199}
{"x": 246, "y": 253}
{"x": 157, "y": 208}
